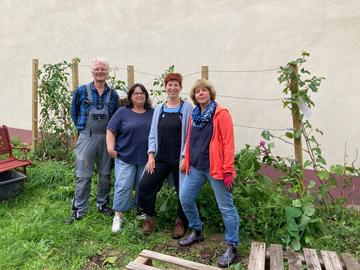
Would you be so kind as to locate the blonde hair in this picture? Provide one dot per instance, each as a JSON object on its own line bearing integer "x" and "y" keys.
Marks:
{"x": 202, "y": 83}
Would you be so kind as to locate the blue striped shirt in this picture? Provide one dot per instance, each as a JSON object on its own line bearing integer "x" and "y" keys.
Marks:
{"x": 80, "y": 105}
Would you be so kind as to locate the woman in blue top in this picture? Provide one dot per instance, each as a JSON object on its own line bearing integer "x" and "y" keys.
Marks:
{"x": 166, "y": 143}
{"x": 127, "y": 142}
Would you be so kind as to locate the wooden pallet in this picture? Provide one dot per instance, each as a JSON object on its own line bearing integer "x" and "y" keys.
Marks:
{"x": 274, "y": 258}
{"x": 145, "y": 262}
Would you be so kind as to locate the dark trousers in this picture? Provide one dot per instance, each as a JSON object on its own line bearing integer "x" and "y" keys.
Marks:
{"x": 151, "y": 184}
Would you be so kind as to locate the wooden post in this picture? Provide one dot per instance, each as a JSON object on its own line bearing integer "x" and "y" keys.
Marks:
{"x": 294, "y": 87}
{"x": 130, "y": 76}
{"x": 205, "y": 72}
{"x": 35, "y": 87}
{"x": 75, "y": 73}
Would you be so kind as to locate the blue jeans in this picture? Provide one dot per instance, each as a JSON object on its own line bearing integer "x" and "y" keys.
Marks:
{"x": 193, "y": 182}
{"x": 127, "y": 177}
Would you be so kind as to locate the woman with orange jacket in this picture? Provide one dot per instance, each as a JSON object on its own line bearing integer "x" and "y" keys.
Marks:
{"x": 209, "y": 155}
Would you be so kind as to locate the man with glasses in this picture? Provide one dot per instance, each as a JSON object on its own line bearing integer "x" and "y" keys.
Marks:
{"x": 92, "y": 106}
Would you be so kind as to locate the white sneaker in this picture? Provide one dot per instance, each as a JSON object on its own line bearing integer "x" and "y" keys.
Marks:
{"x": 116, "y": 226}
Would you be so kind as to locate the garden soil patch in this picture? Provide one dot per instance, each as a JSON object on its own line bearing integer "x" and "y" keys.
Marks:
{"x": 206, "y": 252}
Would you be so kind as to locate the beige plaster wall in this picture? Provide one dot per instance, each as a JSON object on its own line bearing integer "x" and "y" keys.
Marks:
{"x": 225, "y": 35}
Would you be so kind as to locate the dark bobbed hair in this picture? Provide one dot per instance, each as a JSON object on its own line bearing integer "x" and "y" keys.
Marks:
{"x": 129, "y": 102}
{"x": 173, "y": 76}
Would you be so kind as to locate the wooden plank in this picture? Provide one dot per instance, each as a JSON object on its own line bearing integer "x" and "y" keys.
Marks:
{"x": 176, "y": 261}
{"x": 140, "y": 266}
{"x": 257, "y": 256}
{"x": 312, "y": 259}
{"x": 276, "y": 257}
{"x": 350, "y": 262}
{"x": 130, "y": 75}
{"x": 35, "y": 97}
{"x": 294, "y": 260}
{"x": 143, "y": 260}
{"x": 331, "y": 260}
{"x": 302, "y": 257}
{"x": 205, "y": 72}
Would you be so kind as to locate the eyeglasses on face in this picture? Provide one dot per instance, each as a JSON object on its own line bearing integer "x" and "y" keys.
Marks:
{"x": 100, "y": 70}
{"x": 138, "y": 94}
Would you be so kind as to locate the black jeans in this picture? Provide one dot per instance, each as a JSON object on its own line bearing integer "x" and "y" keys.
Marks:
{"x": 151, "y": 184}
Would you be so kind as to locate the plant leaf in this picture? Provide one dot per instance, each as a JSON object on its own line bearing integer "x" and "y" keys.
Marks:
{"x": 296, "y": 203}
{"x": 110, "y": 260}
{"x": 295, "y": 245}
{"x": 292, "y": 212}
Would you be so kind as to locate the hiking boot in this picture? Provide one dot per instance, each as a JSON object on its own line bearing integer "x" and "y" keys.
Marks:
{"x": 229, "y": 256}
{"x": 179, "y": 230}
{"x": 74, "y": 216}
{"x": 116, "y": 226}
{"x": 194, "y": 237}
{"x": 149, "y": 225}
{"x": 107, "y": 211}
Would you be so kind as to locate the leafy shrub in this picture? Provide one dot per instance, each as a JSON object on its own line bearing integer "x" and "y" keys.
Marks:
{"x": 51, "y": 147}
{"x": 166, "y": 206}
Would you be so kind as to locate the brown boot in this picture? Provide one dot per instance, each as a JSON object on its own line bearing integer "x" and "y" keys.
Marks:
{"x": 149, "y": 225}
{"x": 179, "y": 230}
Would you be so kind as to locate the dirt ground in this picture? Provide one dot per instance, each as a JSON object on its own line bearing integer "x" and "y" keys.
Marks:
{"x": 206, "y": 252}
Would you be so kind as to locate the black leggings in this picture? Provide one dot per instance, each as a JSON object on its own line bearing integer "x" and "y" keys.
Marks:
{"x": 151, "y": 184}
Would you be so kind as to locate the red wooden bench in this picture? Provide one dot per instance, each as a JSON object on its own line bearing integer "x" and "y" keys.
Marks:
{"x": 11, "y": 162}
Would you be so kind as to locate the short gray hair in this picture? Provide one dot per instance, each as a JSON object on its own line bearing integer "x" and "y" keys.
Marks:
{"x": 101, "y": 60}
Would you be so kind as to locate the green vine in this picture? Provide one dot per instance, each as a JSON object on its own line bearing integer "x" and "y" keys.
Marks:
{"x": 55, "y": 100}
{"x": 302, "y": 217}
{"x": 157, "y": 90}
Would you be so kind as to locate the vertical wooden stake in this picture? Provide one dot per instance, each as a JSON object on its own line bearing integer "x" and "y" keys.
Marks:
{"x": 35, "y": 87}
{"x": 130, "y": 76}
{"x": 75, "y": 73}
{"x": 294, "y": 87}
{"x": 205, "y": 72}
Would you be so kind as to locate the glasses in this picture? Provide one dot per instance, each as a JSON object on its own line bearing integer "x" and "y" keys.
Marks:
{"x": 99, "y": 69}
{"x": 138, "y": 94}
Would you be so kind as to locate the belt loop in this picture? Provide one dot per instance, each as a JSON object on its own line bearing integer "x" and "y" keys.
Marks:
{"x": 90, "y": 133}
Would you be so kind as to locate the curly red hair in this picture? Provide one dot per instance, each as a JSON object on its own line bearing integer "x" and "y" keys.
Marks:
{"x": 173, "y": 76}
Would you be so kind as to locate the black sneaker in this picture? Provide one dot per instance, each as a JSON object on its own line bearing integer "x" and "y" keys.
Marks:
{"x": 72, "y": 218}
{"x": 107, "y": 211}
{"x": 229, "y": 256}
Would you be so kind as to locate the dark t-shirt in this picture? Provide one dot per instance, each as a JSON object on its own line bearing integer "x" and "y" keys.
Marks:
{"x": 132, "y": 131}
{"x": 199, "y": 146}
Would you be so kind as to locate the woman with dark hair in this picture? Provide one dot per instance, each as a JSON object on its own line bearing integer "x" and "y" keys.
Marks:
{"x": 209, "y": 155}
{"x": 127, "y": 142}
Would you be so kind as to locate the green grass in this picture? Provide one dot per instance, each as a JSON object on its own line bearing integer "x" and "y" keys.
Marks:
{"x": 33, "y": 234}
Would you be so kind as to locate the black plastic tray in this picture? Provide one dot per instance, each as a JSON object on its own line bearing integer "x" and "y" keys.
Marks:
{"x": 11, "y": 184}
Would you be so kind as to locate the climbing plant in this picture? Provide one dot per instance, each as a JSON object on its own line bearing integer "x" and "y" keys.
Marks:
{"x": 302, "y": 217}
{"x": 55, "y": 99}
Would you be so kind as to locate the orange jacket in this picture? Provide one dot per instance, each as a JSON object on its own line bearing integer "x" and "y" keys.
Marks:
{"x": 221, "y": 149}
